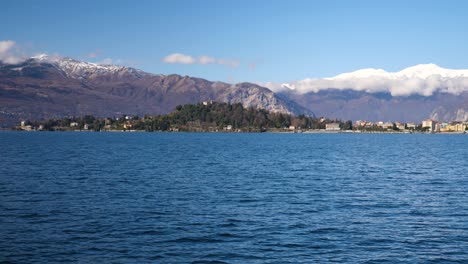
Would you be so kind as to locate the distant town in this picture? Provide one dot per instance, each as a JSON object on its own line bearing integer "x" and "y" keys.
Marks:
{"x": 222, "y": 117}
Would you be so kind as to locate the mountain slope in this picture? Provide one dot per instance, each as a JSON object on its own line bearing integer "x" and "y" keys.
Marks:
{"x": 360, "y": 105}
{"x": 412, "y": 94}
{"x": 44, "y": 87}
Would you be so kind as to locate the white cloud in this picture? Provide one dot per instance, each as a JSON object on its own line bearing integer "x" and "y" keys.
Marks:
{"x": 6, "y": 45}
{"x": 10, "y": 52}
{"x": 424, "y": 79}
{"x": 179, "y": 58}
{"x": 206, "y": 60}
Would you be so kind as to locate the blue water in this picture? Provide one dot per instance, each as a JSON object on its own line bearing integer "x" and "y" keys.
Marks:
{"x": 233, "y": 198}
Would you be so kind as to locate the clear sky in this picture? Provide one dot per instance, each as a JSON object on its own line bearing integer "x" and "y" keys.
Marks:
{"x": 256, "y": 41}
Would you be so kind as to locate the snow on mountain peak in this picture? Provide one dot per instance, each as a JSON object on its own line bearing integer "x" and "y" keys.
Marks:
{"x": 81, "y": 69}
{"x": 40, "y": 57}
{"x": 364, "y": 73}
{"x": 421, "y": 79}
{"x": 422, "y": 71}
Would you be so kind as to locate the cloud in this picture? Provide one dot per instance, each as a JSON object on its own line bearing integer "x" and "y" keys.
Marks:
{"x": 206, "y": 60}
{"x": 179, "y": 58}
{"x": 6, "y": 45}
{"x": 424, "y": 79}
{"x": 10, "y": 53}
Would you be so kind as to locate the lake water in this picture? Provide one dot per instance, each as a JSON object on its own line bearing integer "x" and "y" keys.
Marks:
{"x": 233, "y": 198}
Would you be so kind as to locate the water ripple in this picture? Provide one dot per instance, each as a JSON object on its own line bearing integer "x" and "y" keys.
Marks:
{"x": 233, "y": 198}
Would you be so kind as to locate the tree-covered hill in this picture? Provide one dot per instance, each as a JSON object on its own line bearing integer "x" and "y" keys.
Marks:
{"x": 207, "y": 116}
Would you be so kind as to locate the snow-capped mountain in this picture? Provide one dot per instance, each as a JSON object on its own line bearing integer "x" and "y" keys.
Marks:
{"x": 412, "y": 94}
{"x": 422, "y": 79}
{"x": 80, "y": 69}
{"x": 421, "y": 71}
{"x": 45, "y": 86}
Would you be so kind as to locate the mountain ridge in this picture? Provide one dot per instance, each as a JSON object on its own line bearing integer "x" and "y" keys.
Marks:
{"x": 45, "y": 87}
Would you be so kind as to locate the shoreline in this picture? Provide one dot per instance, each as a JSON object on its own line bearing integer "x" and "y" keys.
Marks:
{"x": 246, "y": 132}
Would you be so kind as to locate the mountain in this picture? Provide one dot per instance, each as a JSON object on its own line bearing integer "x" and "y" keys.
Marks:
{"x": 412, "y": 94}
{"x": 360, "y": 105}
{"x": 52, "y": 87}
{"x": 48, "y": 87}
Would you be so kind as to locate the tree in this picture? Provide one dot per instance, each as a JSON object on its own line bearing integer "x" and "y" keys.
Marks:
{"x": 348, "y": 125}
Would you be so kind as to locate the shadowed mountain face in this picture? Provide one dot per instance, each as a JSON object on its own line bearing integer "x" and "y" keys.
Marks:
{"x": 355, "y": 105}
{"x": 44, "y": 88}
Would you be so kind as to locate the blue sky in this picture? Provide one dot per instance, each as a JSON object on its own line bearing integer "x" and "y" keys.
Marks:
{"x": 256, "y": 41}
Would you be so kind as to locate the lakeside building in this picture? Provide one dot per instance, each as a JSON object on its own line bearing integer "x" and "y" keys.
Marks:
{"x": 208, "y": 102}
{"x": 437, "y": 127}
{"x": 363, "y": 123}
{"x": 429, "y": 124}
{"x": 387, "y": 125}
{"x": 411, "y": 126}
{"x": 453, "y": 127}
{"x": 461, "y": 127}
{"x": 332, "y": 127}
{"x": 127, "y": 125}
{"x": 400, "y": 126}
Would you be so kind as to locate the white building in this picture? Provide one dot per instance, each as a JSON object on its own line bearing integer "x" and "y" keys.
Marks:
{"x": 429, "y": 124}
{"x": 411, "y": 126}
{"x": 387, "y": 125}
{"x": 400, "y": 126}
{"x": 332, "y": 127}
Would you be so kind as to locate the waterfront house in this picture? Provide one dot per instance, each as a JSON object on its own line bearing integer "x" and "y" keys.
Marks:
{"x": 411, "y": 126}
{"x": 401, "y": 126}
{"x": 363, "y": 123}
{"x": 387, "y": 125}
{"x": 460, "y": 127}
{"x": 127, "y": 125}
{"x": 332, "y": 127}
{"x": 428, "y": 123}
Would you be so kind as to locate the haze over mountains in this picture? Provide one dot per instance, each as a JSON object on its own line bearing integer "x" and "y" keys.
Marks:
{"x": 46, "y": 87}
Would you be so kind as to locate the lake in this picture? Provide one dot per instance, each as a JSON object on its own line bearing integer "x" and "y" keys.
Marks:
{"x": 233, "y": 198}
